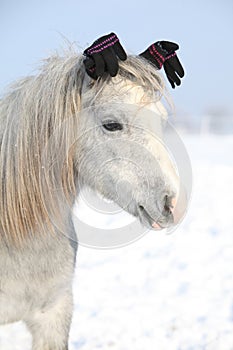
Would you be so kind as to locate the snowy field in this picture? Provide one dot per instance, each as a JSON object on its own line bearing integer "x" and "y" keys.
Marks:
{"x": 164, "y": 292}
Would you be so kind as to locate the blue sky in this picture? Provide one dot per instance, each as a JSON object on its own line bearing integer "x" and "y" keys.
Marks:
{"x": 31, "y": 30}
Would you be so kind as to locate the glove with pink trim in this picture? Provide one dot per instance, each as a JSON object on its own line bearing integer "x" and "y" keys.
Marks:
{"x": 102, "y": 56}
{"x": 162, "y": 54}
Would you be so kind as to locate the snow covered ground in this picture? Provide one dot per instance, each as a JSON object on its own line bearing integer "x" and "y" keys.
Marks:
{"x": 163, "y": 292}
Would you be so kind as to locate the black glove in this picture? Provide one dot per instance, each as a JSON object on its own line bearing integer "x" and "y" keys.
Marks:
{"x": 102, "y": 56}
{"x": 162, "y": 53}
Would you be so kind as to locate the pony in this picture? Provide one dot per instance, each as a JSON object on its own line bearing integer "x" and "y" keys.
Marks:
{"x": 57, "y": 128}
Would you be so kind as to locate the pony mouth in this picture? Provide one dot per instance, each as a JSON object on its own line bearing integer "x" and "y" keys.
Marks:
{"x": 147, "y": 218}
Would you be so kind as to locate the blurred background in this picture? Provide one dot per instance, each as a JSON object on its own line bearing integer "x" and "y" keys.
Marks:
{"x": 170, "y": 292}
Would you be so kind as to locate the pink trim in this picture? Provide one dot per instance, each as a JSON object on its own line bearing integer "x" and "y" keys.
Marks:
{"x": 103, "y": 42}
{"x": 91, "y": 51}
{"x": 156, "y": 55}
{"x": 170, "y": 56}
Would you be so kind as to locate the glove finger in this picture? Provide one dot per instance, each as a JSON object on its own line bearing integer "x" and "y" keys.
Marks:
{"x": 177, "y": 66}
{"x": 90, "y": 68}
{"x": 169, "y": 46}
{"x": 111, "y": 61}
{"x": 171, "y": 73}
{"x": 89, "y": 62}
{"x": 118, "y": 48}
{"x": 99, "y": 64}
{"x": 171, "y": 82}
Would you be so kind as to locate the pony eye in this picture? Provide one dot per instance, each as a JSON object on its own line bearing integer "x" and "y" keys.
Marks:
{"x": 112, "y": 126}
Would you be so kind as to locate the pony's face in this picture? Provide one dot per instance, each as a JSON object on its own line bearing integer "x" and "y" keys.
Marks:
{"x": 122, "y": 155}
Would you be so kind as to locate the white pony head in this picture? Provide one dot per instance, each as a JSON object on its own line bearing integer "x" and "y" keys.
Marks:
{"x": 121, "y": 154}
